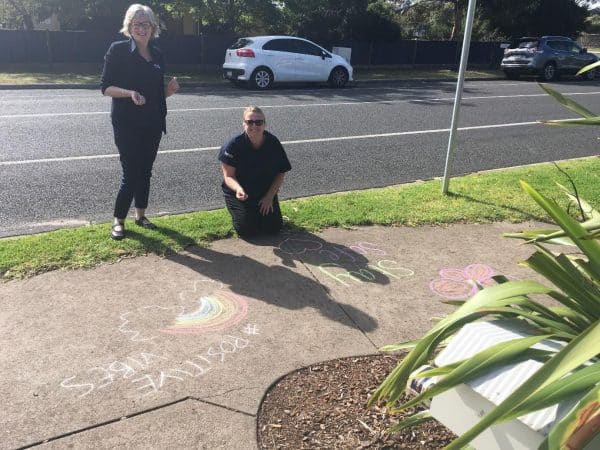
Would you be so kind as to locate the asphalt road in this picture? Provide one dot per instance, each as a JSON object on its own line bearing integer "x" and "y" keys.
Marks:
{"x": 59, "y": 167}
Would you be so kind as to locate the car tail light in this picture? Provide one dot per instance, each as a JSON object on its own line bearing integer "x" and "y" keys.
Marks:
{"x": 245, "y": 53}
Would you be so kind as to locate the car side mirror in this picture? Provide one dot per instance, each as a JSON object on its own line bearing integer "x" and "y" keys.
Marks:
{"x": 323, "y": 55}
{"x": 584, "y": 50}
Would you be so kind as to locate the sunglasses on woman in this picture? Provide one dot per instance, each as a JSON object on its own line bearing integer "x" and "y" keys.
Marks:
{"x": 258, "y": 123}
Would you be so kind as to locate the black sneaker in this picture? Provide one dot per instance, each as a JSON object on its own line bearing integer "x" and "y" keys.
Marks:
{"x": 145, "y": 223}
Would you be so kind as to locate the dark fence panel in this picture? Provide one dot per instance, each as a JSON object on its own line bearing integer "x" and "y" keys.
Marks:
{"x": 437, "y": 52}
{"x": 402, "y": 52}
{"x": 209, "y": 49}
{"x": 21, "y": 47}
{"x": 214, "y": 46}
{"x": 181, "y": 49}
{"x": 80, "y": 46}
{"x": 485, "y": 53}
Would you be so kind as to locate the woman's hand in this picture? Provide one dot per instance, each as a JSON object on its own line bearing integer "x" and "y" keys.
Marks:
{"x": 265, "y": 205}
{"x": 138, "y": 98}
{"x": 172, "y": 87}
{"x": 240, "y": 194}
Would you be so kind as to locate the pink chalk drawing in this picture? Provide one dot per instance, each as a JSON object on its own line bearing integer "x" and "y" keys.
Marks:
{"x": 460, "y": 284}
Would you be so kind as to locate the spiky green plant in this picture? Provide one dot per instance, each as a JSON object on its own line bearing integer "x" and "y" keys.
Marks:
{"x": 573, "y": 371}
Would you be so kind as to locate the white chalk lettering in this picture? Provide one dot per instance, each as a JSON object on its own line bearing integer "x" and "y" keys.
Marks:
{"x": 109, "y": 376}
{"x": 151, "y": 384}
{"x": 339, "y": 276}
{"x": 384, "y": 266}
{"x": 65, "y": 384}
{"x": 151, "y": 373}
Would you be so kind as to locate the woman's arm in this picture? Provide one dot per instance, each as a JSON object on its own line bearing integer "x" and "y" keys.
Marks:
{"x": 117, "y": 92}
{"x": 265, "y": 204}
{"x": 232, "y": 183}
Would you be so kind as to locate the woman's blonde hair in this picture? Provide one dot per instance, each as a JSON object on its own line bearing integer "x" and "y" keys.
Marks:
{"x": 253, "y": 109}
{"x": 137, "y": 10}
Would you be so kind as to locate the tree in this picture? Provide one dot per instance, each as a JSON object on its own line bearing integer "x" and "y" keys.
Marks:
{"x": 326, "y": 21}
{"x": 533, "y": 18}
{"x": 233, "y": 16}
{"x": 458, "y": 10}
{"x": 20, "y": 14}
{"x": 378, "y": 23}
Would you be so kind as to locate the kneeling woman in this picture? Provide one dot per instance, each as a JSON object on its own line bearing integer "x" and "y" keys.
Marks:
{"x": 254, "y": 164}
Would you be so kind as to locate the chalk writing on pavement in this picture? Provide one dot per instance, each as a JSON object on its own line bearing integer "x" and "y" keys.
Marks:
{"x": 147, "y": 373}
{"x": 348, "y": 264}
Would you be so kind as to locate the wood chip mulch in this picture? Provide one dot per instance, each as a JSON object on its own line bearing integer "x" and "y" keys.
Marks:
{"x": 324, "y": 406}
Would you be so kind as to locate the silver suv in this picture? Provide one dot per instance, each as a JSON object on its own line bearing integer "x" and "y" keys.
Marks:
{"x": 547, "y": 57}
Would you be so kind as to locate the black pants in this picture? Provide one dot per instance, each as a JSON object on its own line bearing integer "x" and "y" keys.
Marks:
{"x": 247, "y": 219}
{"x": 137, "y": 151}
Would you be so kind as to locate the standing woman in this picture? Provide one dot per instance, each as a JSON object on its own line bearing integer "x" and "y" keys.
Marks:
{"x": 254, "y": 164}
{"x": 133, "y": 76}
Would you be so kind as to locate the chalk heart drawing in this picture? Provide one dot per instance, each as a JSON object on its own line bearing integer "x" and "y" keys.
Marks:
{"x": 208, "y": 307}
{"x": 460, "y": 284}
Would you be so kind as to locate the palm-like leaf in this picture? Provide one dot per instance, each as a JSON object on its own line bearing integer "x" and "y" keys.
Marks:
{"x": 567, "y": 102}
{"x": 572, "y": 369}
{"x": 576, "y": 353}
{"x": 577, "y": 427}
{"x": 588, "y": 67}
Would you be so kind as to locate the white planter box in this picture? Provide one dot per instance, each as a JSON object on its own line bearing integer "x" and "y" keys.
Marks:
{"x": 462, "y": 407}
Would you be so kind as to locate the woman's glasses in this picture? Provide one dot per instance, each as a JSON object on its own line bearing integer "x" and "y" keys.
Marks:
{"x": 142, "y": 25}
{"x": 258, "y": 123}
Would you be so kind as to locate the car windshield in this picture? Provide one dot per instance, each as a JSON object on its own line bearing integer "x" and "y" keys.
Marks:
{"x": 240, "y": 43}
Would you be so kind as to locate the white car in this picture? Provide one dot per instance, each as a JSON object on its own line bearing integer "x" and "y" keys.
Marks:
{"x": 262, "y": 60}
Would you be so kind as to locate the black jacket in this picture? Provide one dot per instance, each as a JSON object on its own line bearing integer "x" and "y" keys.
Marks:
{"x": 125, "y": 68}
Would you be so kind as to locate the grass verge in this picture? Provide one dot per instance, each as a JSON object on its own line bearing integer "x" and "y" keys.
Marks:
{"x": 477, "y": 198}
{"x": 18, "y": 76}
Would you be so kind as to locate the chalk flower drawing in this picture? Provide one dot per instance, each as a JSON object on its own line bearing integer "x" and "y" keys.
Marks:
{"x": 460, "y": 284}
{"x": 218, "y": 310}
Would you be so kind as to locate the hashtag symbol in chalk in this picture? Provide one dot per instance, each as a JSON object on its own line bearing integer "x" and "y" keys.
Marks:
{"x": 251, "y": 329}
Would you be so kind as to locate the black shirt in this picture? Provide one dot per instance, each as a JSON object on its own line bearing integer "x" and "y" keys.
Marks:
{"x": 124, "y": 67}
{"x": 255, "y": 169}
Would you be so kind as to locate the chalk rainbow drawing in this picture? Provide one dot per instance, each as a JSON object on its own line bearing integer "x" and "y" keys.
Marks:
{"x": 219, "y": 309}
{"x": 216, "y": 311}
{"x": 460, "y": 284}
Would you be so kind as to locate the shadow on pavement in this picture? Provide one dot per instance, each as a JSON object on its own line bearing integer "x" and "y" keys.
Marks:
{"x": 274, "y": 283}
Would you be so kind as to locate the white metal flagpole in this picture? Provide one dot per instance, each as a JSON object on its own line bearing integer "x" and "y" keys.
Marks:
{"x": 459, "y": 88}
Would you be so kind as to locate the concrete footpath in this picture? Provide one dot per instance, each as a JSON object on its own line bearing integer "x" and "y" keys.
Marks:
{"x": 178, "y": 352}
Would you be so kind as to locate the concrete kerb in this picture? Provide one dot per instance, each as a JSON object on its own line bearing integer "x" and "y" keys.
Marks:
{"x": 159, "y": 352}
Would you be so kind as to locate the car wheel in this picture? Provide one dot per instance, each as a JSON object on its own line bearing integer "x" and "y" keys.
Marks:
{"x": 549, "y": 72}
{"x": 262, "y": 78}
{"x": 338, "y": 77}
{"x": 590, "y": 75}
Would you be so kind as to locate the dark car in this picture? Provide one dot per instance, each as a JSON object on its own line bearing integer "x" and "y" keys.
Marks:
{"x": 547, "y": 57}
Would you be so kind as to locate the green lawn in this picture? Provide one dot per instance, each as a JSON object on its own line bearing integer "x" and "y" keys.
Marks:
{"x": 477, "y": 198}
{"x": 71, "y": 75}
